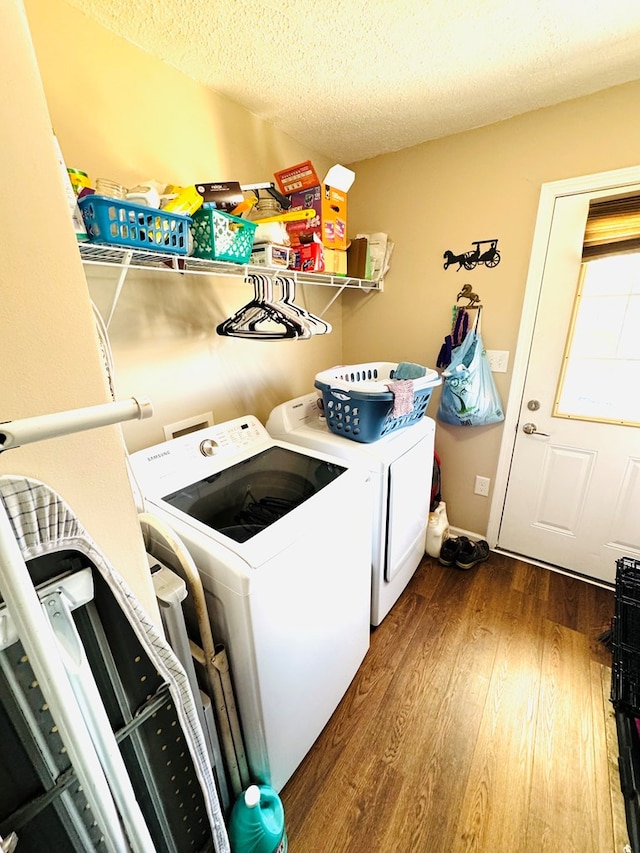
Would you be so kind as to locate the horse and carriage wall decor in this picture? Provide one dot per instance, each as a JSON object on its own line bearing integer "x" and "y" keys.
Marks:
{"x": 489, "y": 256}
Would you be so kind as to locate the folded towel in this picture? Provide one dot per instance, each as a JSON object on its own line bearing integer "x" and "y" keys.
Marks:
{"x": 409, "y": 370}
{"x": 402, "y": 391}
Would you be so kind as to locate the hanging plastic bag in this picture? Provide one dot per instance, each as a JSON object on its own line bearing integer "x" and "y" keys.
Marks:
{"x": 469, "y": 395}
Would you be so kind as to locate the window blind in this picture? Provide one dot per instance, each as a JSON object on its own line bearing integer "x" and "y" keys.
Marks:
{"x": 613, "y": 227}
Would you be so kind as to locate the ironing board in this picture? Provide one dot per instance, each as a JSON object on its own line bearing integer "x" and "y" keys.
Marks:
{"x": 64, "y": 784}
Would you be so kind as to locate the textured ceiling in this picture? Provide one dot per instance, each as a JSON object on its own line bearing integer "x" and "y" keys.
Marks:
{"x": 356, "y": 78}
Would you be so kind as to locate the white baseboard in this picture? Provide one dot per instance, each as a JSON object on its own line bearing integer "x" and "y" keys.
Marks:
{"x": 458, "y": 531}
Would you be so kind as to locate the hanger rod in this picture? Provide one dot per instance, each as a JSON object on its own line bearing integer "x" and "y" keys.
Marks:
{"x": 28, "y": 430}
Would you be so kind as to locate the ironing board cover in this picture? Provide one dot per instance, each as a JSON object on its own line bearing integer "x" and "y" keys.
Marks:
{"x": 43, "y": 523}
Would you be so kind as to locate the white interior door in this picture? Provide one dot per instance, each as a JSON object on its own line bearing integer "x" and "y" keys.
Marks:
{"x": 572, "y": 495}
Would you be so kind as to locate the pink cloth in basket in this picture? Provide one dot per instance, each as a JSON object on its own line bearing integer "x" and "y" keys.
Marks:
{"x": 402, "y": 390}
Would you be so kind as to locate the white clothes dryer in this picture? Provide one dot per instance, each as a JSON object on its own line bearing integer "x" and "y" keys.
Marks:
{"x": 401, "y": 468}
{"x": 282, "y": 540}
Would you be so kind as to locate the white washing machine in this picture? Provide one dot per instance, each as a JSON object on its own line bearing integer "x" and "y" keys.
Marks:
{"x": 282, "y": 540}
{"x": 400, "y": 465}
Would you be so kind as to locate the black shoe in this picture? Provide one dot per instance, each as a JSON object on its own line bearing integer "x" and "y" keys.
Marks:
{"x": 449, "y": 551}
{"x": 470, "y": 553}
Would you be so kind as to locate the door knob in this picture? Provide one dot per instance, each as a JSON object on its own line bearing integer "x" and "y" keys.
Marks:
{"x": 531, "y": 429}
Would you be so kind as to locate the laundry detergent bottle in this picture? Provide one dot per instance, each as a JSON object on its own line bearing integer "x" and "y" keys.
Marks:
{"x": 437, "y": 530}
{"x": 256, "y": 824}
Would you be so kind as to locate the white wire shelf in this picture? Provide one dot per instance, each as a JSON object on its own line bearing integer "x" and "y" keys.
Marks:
{"x": 120, "y": 256}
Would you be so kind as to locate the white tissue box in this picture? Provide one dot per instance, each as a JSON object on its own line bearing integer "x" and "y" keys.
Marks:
{"x": 270, "y": 255}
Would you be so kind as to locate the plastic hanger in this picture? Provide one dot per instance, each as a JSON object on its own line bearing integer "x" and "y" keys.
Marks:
{"x": 261, "y": 318}
{"x": 315, "y": 324}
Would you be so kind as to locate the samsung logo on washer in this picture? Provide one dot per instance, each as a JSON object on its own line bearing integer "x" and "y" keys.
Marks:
{"x": 158, "y": 455}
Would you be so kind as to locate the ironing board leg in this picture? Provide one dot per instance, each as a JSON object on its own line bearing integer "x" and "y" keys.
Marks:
{"x": 89, "y": 701}
{"x": 39, "y": 642}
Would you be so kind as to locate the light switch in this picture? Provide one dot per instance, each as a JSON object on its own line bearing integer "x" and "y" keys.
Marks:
{"x": 498, "y": 360}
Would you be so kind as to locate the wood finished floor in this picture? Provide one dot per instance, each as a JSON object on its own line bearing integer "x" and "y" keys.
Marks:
{"x": 477, "y": 722}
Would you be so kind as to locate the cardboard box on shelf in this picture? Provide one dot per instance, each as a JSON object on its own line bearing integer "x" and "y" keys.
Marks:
{"x": 314, "y": 257}
{"x": 327, "y": 198}
{"x": 308, "y": 257}
{"x": 224, "y": 196}
{"x": 358, "y": 258}
{"x": 335, "y": 261}
{"x": 306, "y": 229}
{"x": 270, "y": 255}
{"x": 300, "y": 177}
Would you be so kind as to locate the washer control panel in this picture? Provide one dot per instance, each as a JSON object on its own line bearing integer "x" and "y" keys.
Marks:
{"x": 198, "y": 454}
{"x": 245, "y": 432}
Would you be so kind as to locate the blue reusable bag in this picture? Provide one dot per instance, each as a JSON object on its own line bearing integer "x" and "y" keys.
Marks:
{"x": 469, "y": 395}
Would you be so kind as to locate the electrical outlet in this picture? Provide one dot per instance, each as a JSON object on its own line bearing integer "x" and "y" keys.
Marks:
{"x": 498, "y": 360}
{"x": 482, "y": 486}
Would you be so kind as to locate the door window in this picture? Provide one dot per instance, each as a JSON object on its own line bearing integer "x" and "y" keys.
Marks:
{"x": 601, "y": 365}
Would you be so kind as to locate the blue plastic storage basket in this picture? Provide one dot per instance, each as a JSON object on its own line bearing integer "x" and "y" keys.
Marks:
{"x": 123, "y": 223}
{"x": 220, "y": 236}
{"x": 358, "y": 404}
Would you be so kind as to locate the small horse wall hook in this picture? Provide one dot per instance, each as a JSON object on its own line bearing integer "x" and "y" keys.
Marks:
{"x": 467, "y": 293}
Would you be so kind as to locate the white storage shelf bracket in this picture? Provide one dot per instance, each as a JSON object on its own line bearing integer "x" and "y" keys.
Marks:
{"x": 124, "y": 269}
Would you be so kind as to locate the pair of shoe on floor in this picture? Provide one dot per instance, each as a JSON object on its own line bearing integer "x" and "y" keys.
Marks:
{"x": 463, "y": 552}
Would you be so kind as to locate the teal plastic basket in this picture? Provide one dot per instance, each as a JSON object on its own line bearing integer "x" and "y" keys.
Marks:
{"x": 123, "y": 223}
{"x": 220, "y": 236}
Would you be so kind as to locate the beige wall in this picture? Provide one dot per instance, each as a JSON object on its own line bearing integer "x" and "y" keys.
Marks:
{"x": 122, "y": 114}
{"x": 50, "y": 359}
{"x": 443, "y": 195}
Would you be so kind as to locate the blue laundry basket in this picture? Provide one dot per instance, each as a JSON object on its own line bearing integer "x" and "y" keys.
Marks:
{"x": 358, "y": 404}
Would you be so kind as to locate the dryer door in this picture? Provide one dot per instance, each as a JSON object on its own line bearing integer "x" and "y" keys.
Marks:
{"x": 409, "y": 499}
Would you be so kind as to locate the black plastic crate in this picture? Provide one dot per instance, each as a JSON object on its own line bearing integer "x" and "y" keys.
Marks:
{"x": 625, "y": 672}
{"x": 625, "y": 680}
{"x": 626, "y": 623}
{"x": 625, "y": 688}
{"x": 629, "y": 769}
{"x": 628, "y": 572}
